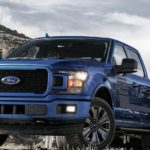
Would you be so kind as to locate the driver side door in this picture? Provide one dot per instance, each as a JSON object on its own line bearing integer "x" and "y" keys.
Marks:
{"x": 123, "y": 87}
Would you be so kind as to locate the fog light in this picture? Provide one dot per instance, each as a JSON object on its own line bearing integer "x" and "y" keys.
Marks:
{"x": 66, "y": 108}
{"x": 71, "y": 109}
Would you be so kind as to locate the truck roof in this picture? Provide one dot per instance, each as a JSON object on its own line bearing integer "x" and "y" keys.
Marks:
{"x": 73, "y": 37}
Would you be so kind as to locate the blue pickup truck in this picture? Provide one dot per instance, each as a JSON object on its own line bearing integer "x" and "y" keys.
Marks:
{"x": 90, "y": 87}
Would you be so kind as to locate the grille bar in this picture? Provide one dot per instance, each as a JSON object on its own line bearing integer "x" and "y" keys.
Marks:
{"x": 2, "y": 109}
{"x": 14, "y": 109}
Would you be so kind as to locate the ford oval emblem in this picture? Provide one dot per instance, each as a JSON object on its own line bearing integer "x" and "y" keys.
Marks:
{"x": 10, "y": 80}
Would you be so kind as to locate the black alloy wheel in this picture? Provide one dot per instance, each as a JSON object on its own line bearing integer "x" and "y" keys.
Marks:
{"x": 99, "y": 127}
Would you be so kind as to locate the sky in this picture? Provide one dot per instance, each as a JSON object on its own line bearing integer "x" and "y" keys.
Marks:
{"x": 125, "y": 20}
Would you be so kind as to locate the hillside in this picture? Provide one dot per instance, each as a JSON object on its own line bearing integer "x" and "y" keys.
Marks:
{"x": 10, "y": 39}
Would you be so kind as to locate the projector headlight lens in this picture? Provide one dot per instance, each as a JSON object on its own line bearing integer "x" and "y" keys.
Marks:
{"x": 81, "y": 75}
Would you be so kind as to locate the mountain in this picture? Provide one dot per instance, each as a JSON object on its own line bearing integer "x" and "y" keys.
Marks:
{"x": 12, "y": 32}
{"x": 10, "y": 39}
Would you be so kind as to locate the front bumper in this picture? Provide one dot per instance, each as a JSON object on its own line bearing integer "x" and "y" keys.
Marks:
{"x": 50, "y": 123}
{"x": 57, "y": 127}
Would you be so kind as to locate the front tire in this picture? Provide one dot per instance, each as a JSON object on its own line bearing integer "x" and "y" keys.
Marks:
{"x": 99, "y": 127}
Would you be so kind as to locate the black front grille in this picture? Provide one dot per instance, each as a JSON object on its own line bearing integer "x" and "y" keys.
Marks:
{"x": 31, "y": 81}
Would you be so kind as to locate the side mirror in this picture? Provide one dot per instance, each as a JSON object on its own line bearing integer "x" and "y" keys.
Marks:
{"x": 127, "y": 66}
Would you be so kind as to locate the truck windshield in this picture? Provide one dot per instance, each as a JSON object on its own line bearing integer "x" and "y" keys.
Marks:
{"x": 61, "y": 49}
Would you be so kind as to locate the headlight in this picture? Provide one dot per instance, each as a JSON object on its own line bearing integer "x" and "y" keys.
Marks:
{"x": 75, "y": 81}
{"x": 81, "y": 75}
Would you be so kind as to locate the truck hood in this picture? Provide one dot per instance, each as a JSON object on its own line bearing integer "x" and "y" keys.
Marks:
{"x": 53, "y": 63}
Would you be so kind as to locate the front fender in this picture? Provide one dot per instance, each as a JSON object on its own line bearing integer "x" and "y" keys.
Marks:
{"x": 96, "y": 83}
{"x": 103, "y": 85}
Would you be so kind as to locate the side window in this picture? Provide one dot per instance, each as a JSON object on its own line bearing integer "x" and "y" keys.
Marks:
{"x": 134, "y": 55}
{"x": 119, "y": 55}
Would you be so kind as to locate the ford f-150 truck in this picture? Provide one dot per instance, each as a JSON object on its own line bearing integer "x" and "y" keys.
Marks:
{"x": 87, "y": 86}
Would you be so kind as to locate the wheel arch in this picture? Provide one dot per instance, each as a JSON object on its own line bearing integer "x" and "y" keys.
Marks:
{"x": 104, "y": 91}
